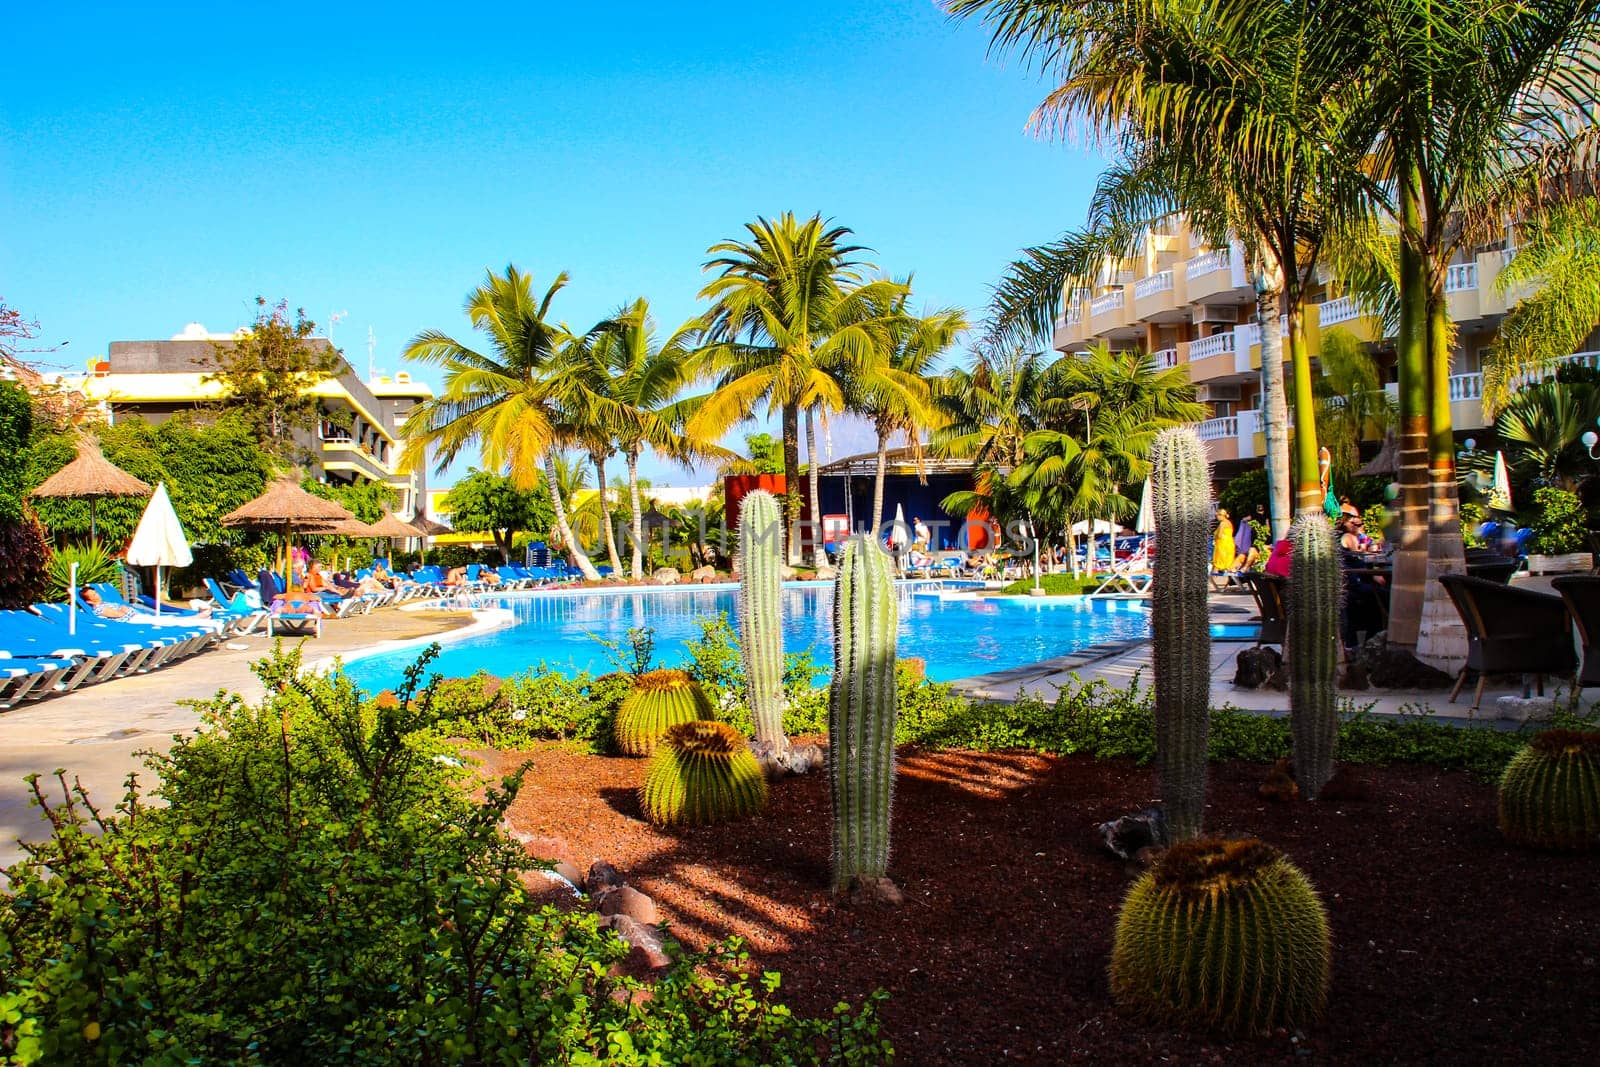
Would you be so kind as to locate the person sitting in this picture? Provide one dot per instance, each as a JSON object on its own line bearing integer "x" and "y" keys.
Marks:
{"x": 317, "y": 582}
{"x": 1278, "y": 563}
{"x": 456, "y": 577}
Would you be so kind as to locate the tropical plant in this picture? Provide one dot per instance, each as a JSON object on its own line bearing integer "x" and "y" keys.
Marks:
{"x": 1225, "y": 935}
{"x": 1560, "y": 526}
{"x": 896, "y": 395}
{"x": 1180, "y": 485}
{"x": 16, "y": 427}
{"x": 1558, "y": 251}
{"x": 986, "y": 413}
{"x": 497, "y": 505}
{"x": 658, "y": 701}
{"x": 24, "y": 563}
{"x": 520, "y": 403}
{"x": 792, "y": 313}
{"x": 645, "y": 376}
{"x": 1550, "y": 792}
{"x": 94, "y": 565}
{"x": 702, "y": 772}
{"x": 1352, "y": 406}
{"x": 863, "y": 705}
{"x": 1542, "y": 428}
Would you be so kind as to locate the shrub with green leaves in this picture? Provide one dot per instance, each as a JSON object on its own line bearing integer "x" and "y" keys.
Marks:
{"x": 702, "y": 772}
{"x": 1559, "y": 526}
{"x": 1550, "y": 792}
{"x": 715, "y": 663}
{"x": 1224, "y": 935}
{"x": 318, "y": 886}
{"x": 94, "y": 565}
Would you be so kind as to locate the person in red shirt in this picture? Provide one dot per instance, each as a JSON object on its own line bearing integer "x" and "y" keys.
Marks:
{"x": 1278, "y": 562}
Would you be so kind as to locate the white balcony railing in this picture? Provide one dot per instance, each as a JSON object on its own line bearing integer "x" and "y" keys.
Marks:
{"x": 1341, "y": 309}
{"x": 1466, "y": 386}
{"x": 1221, "y": 259}
{"x": 1583, "y": 359}
{"x": 1459, "y": 277}
{"x": 1246, "y": 335}
{"x": 1217, "y": 429}
{"x": 1156, "y": 283}
{"x": 1249, "y": 422}
{"x": 1166, "y": 358}
{"x": 1105, "y": 302}
{"x": 1215, "y": 345}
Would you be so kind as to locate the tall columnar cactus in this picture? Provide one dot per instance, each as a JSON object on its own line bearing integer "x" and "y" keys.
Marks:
{"x": 1550, "y": 792}
{"x": 657, "y": 701}
{"x": 1223, "y": 935}
{"x": 702, "y": 772}
{"x": 861, "y": 714}
{"x": 1180, "y": 484}
{"x": 1316, "y": 593}
{"x": 761, "y": 614}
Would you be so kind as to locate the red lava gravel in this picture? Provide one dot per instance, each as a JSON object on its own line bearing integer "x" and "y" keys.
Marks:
{"x": 1449, "y": 946}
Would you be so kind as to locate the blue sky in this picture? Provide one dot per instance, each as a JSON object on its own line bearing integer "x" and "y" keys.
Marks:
{"x": 165, "y": 164}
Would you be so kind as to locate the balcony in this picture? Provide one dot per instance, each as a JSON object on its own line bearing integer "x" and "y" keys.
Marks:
{"x": 1107, "y": 312}
{"x": 1069, "y": 325}
{"x": 1341, "y": 309}
{"x": 1209, "y": 263}
{"x": 1156, "y": 283}
{"x": 1221, "y": 436}
{"x": 1459, "y": 277}
{"x": 1106, "y": 302}
{"x": 1466, "y": 387}
{"x": 1166, "y": 358}
{"x": 1215, "y": 345}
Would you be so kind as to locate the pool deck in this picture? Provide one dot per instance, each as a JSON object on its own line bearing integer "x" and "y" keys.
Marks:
{"x": 97, "y": 733}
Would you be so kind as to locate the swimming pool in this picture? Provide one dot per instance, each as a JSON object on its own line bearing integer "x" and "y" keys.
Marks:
{"x": 958, "y": 637}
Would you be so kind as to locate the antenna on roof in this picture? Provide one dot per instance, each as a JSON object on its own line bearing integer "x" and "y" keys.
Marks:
{"x": 333, "y": 320}
{"x": 372, "y": 347}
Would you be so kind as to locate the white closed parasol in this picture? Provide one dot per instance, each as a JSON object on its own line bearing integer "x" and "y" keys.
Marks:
{"x": 159, "y": 541}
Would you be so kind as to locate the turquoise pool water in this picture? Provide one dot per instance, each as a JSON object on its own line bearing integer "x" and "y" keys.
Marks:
{"x": 958, "y": 638}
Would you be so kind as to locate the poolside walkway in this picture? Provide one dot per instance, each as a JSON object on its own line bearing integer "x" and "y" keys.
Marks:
{"x": 94, "y": 733}
{"x": 1120, "y": 665}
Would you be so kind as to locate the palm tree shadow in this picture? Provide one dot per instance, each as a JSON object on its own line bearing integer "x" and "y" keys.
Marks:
{"x": 624, "y": 802}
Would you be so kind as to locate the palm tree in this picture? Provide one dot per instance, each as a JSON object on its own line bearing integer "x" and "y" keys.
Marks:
{"x": 1354, "y": 406}
{"x": 1223, "y": 112}
{"x": 1542, "y": 428}
{"x": 790, "y": 311}
{"x": 517, "y": 403}
{"x": 1479, "y": 108}
{"x": 646, "y": 376}
{"x": 1559, "y": 248}
{"x": 897, "y": 396}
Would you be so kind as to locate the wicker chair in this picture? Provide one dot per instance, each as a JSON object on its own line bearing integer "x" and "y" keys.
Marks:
{"x": 1268, "y": 591}
{"x": 1510, "y": 631}
{"x": 1582, "y": 595}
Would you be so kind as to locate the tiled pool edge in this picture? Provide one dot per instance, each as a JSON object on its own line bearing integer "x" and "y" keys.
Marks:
{"x": 978, "y": 686}
{"x": 484, "y": 620}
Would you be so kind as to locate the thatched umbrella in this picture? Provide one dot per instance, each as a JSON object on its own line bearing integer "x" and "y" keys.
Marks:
{"x": 89, "y": 477}
{"x": 391, "y": 527}
{"x": 1387, "y": 461}
{"x": 286, "y": 507}
{"x": 427, "y": 528}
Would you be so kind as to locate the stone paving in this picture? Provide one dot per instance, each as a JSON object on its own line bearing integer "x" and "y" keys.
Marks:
{"x": 96, "y": 733}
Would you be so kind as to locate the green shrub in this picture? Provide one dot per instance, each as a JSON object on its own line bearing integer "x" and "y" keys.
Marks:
{"x": 1225, "y": 935}
{"x": 702, "y": 773}
{"x": 318, "y": 887}
{"x": 1550, "y": 792}
{"x": 24, "y": 563}
{"x": 1054, "y": 585}
{"x": 94, "y": 565}
{"x": 715, "y": 663}
{"x": 1472, "y": 517}
{"x": 1243, "y": 492}
{"x": 1560, "y": 526}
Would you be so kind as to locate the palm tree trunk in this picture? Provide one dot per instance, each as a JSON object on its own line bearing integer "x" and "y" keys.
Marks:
{"x": 637, "y": 524}
{"x": 575, "y": 552}
{"x": 791, "y": 478}
{"x": 1307, "y": 477}
{"x": 819, "y": 549}
{"x": 877, "y": 484}
{"x": 1274, "y": 413}
{"x": 1411, "y": 356}
{"x": 605, "y": 511}
{"x": 1441, "y": 636}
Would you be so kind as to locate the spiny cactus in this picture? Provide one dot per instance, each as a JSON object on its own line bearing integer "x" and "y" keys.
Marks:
{"x": 1180, "y": 484}
{"x": 1316, "y": 592}
{"x": 861, "y": 713}
{"x": 658, "y": 700}
{"x": 1224, "y": 935}
{"x": 761, "y": 615}
{"x": 702, "y": 772}
{"x": 1550, "y": 792}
